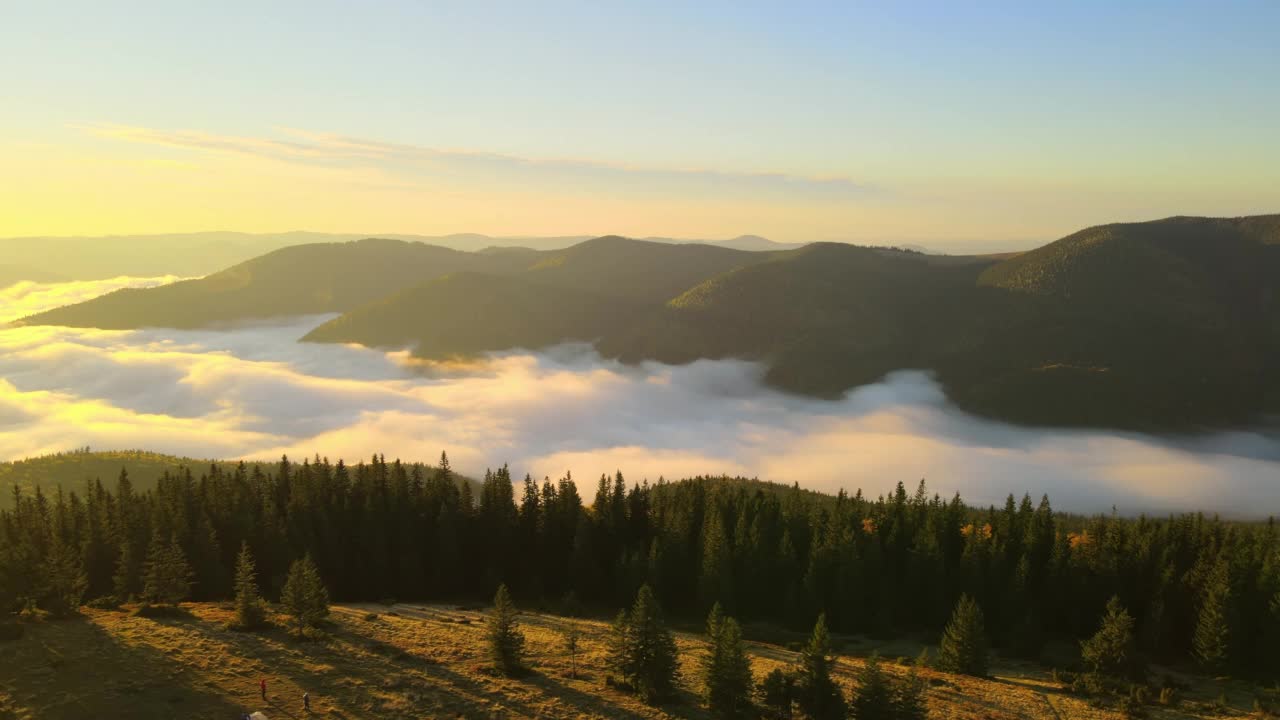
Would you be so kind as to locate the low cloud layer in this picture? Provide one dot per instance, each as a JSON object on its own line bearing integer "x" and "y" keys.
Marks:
{"x": 27, "y": 298}
{"x": 254, "y": 393}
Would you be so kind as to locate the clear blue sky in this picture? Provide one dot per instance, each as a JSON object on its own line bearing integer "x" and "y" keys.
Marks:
{"x": 960, "y": 124}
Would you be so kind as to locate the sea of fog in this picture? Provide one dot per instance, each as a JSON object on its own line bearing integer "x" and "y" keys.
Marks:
{"x": 254, "y": 392}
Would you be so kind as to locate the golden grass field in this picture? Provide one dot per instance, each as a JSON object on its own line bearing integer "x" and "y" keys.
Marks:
{"x": 412, "y": 661}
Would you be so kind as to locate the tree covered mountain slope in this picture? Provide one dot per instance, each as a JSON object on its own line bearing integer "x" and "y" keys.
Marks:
{"x": 464, "y": 314}
{"x": 584, "y": 293}
{"x": 1170, "y": 323}
{"x": 297, "y": 280}
{"x": 826, "y": 317}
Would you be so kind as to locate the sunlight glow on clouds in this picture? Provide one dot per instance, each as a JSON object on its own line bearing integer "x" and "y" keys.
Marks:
{"x": 28, "y": 298}
{"x": 255, "y": 393}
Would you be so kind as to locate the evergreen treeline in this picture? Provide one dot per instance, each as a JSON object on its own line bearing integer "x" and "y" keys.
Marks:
{"x": 1194, "y": 587}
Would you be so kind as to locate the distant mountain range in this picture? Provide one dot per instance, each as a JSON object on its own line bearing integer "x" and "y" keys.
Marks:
{"x": 54, "y": 259}
{"x": 1167, "y": 324}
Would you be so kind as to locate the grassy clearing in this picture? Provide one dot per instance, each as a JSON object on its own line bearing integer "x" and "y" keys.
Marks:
{"x": 414, "y": 661}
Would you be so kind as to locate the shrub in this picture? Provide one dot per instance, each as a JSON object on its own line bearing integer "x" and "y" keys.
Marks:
{"x": 1132, "y": 708}
{"x": 147, "y": 610}
{"x": 106, "y": 602}
{"x": 10, "y": 631}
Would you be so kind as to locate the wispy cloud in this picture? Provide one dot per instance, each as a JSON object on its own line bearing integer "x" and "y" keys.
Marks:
{"x": 328, "y": 149}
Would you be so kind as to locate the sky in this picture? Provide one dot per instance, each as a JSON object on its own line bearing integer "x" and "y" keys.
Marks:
{"x": 962, "y": 126}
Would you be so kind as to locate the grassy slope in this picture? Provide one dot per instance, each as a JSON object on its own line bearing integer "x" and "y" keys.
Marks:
{"x": 415, "y": 662}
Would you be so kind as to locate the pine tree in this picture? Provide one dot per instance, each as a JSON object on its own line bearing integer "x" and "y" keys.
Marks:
{"x": 643, "y": 649}
{"x": 873, "y": 698}
{"x": 125, "y": 578}
{"x": 506, "y": 642}
{"x": 1111, "y": 651}
{"x": 304, "y": 596}
{"x": 1210, "y": 642}
{"x": 776, "y": 693}
{"x": 65, "y": 580}
{"x": 816, "y": 693}
{"x": 727, "y": 671}
{"x": 250, "y": 612}
{"x": 908, "y": 697}
{"x": 571, "y": 638}
{"x": 879, "y": 696}
{"x": 167, "y": 576}
{"x": 964, "y": 642}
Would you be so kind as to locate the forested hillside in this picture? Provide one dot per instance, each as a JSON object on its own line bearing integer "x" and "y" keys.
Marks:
{"x": 1171, "y": 324}
{"x": 297, "y": 280}
{"x": 1198, "y": 589}
{"x": 76, "y": 471}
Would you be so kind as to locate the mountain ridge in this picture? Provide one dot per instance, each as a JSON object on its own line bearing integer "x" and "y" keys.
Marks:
{"x": 1172, "y": 323}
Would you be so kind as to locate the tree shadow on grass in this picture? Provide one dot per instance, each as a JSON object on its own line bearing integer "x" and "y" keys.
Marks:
{"x": 76, "y": 669}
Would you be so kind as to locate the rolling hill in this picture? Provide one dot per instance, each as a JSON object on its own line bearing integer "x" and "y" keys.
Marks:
{"x": 73, "y": 471}
{"x": 1172, "y": 323}
{"x": 297, "y": 280}
{"x": 826, "y": 317}
{"x": 582, "y": 293}
{"x": 465, "y": 314}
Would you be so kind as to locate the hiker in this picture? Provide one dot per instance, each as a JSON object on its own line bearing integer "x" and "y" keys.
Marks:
{"x": 306, "y": 701}
{"x": 262, "y": 685}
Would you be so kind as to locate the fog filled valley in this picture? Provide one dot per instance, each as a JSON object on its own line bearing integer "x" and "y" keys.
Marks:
{"x": 640, "y": 361}
{"x": 1050, "y": 483}
{"x": 254, "y": 392}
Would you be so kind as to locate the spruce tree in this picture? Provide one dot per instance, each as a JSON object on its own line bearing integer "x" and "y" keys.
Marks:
{"x": 643, "y": 649}
{"x": 964, "y": 642}
{"x": 65, "y": 580}
{"x": 816, "y": 693}
{"x": 727, "y": 671}
{"x": 908, "y": 697}
{"x": 1111, "y": 651}
{"x": 1210, "y": 640}
{"x": 125, "y": 578}
{"x": 776, "y": 693}
{"x": 879, "y": 696}
{"x": 250, "y": 612}
{"x": 304, "y": 596}
{"x": 506, "y": 642}
{"x": 167, "y": 576}
{"x": 873, "y": 698}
